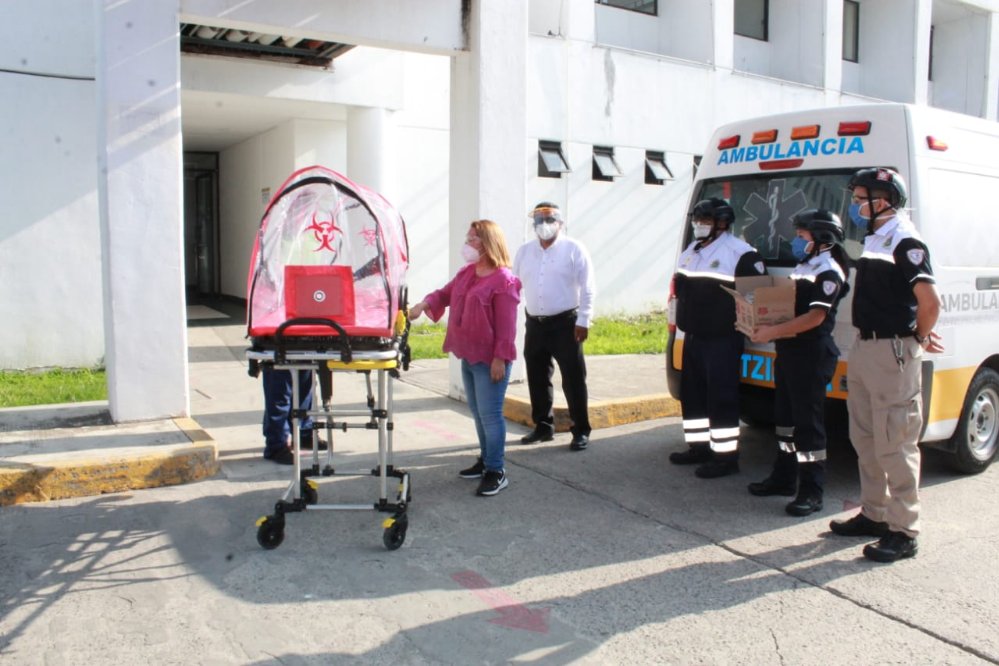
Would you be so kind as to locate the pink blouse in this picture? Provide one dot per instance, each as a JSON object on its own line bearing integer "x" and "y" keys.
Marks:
{"x": 483, "y": 320}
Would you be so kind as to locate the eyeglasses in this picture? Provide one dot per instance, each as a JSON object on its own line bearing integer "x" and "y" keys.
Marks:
{"x": 860, "y": 200}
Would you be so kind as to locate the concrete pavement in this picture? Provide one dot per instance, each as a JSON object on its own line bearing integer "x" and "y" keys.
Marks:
{"x": 607, "y": 556}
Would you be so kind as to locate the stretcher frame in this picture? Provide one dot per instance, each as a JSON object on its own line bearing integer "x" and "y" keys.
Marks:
{"x": 302, "y": 492}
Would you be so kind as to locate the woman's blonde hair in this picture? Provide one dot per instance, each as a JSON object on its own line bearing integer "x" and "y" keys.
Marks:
{"x": 493, "y": 242}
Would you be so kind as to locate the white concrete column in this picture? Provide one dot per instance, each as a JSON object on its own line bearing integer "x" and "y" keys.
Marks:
{"x": 723, "y": 33}
{"x": 139, "y": 184}
{"x": 368, "y": 139}
{"x": 488, "y": 170}
{"x": 832, "y": 79}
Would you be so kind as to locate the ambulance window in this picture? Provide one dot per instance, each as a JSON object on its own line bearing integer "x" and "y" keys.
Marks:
{"x": 765, "y": 204}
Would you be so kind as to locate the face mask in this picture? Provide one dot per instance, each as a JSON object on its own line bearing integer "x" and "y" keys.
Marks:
{"x": 861, "y": 221}
{"x": 469, "y": 253}
{"x": 701, "y": 231}
{"x": 799, "y": 248}
{"x": 546, "y": 230}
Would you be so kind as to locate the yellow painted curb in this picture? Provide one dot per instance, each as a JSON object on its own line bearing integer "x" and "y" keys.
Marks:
{"x": 82, "y": 477}
{"x": 603, "y": 413}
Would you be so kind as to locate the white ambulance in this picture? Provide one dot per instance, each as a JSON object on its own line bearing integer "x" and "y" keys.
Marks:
{"x": 772, "y": 167}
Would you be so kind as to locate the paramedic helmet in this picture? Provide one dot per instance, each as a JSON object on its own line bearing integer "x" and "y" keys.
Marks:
{"x": 825, "y": 226}
{"x": 714, "y": 209}
{"x": 880, "y": 179}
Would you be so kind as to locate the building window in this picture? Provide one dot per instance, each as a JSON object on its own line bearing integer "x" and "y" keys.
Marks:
{"x": 604, "y": 165}
{"x": 656, "y": 170}
{"x": 551, "y": 160}
{"x": 644, "y": 6}
{"x": 851, "y": 30}
{"x": 751, "y": 18}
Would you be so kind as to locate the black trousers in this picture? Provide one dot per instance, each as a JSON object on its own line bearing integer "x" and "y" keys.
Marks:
{"x": 709, "y": 392}
{"x": 803, "y": 368}
{"x": 549, "y": 341}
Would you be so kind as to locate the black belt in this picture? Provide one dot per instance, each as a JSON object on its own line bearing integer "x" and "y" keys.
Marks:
{"x": 568, "y": 314}
{"x": 878, "y": 335}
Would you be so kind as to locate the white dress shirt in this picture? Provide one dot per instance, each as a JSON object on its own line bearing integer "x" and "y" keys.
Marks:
{"x": 556, "y": 279}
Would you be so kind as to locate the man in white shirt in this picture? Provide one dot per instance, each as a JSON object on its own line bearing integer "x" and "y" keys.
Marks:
{"x": 559, "y": 287}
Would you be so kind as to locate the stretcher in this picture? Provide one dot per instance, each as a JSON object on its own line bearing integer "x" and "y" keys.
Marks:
{"x": 326, "y": 295}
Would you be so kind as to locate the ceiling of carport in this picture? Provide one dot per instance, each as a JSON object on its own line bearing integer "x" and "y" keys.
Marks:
{"x": 213, "y": 121}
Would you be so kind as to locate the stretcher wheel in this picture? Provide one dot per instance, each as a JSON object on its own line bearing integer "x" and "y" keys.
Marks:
{"x": 270, "y": 533}
{"x": 395, "y": 532}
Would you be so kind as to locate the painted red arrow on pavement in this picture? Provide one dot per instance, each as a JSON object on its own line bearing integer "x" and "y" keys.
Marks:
{"x": 513, "y": 614}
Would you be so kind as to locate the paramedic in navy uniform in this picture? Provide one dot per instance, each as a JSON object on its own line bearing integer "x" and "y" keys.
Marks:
{"x": 712, "y": 347}
{"x": 806, "y": 361}
{"x": 895, "y": 307}
{"x": 559, "y": 288}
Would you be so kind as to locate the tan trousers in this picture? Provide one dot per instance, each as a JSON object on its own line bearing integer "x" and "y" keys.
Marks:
{"x": 885, "y": 405}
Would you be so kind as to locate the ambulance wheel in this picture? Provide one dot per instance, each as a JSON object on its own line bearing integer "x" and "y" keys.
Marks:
{"x": 395, "y": 532}
{"x": 270, "y": 533}
{"x": 975, "y": 440}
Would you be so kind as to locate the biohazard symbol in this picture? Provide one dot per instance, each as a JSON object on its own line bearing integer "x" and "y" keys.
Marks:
{"x": 771, "y": 228}
{"x": 369, "y": 236}
{"x": 326, "y": 233}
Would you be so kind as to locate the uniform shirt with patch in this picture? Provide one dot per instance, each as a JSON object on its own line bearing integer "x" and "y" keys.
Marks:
{"x": 894, "y": 260}
{"x": 702, "y": 307}
{"x": 819, "y": 283}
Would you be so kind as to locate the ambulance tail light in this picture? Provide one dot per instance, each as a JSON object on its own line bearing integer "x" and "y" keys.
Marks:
{"x": 729, "y": 142}
{"x": 936, "y": 144}
{"x": 855, "y": 128}
{"x": 766, "y": 136}
{"x": 805, "y": 132}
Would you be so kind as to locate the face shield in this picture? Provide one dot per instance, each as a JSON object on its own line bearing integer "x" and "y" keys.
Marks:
{"x": 547, "y": 222}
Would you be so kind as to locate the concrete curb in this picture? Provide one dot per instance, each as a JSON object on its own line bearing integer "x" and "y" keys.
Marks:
{"x": 603, "y": 413}
{"x": 115, "y": 471}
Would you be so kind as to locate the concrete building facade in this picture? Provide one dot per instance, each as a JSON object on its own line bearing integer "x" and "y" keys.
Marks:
{"x": 136, "y": 171}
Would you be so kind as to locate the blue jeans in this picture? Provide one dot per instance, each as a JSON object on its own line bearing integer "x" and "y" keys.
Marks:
{"x": 277, "y": 407}
{"x": 485, "y": 399}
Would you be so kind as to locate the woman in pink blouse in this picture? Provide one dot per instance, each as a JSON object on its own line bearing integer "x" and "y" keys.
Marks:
{"x": 481, "y": 327}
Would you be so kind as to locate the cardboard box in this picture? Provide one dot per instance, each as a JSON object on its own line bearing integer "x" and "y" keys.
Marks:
{"x": 761, "y": 301}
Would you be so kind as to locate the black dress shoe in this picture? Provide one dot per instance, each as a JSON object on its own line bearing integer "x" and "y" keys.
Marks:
{"x": 804, "y": 505}
{"x": 769, "y": 486}
{"x": 579, "y": 442}
{"x": 537, "y": 436}
{"x": 891, "y": 547}
{"x": 306, "y": 443}
{"x": 859, "y": 525}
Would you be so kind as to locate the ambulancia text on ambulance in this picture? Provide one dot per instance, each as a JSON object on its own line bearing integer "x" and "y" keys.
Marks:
{"x": 772, "y": 167}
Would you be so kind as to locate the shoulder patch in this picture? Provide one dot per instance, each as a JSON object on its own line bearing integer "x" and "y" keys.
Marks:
{"x": 828, "y": 287}
{"x": 915, "y": 256}
{"x": 759, "y": 267}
